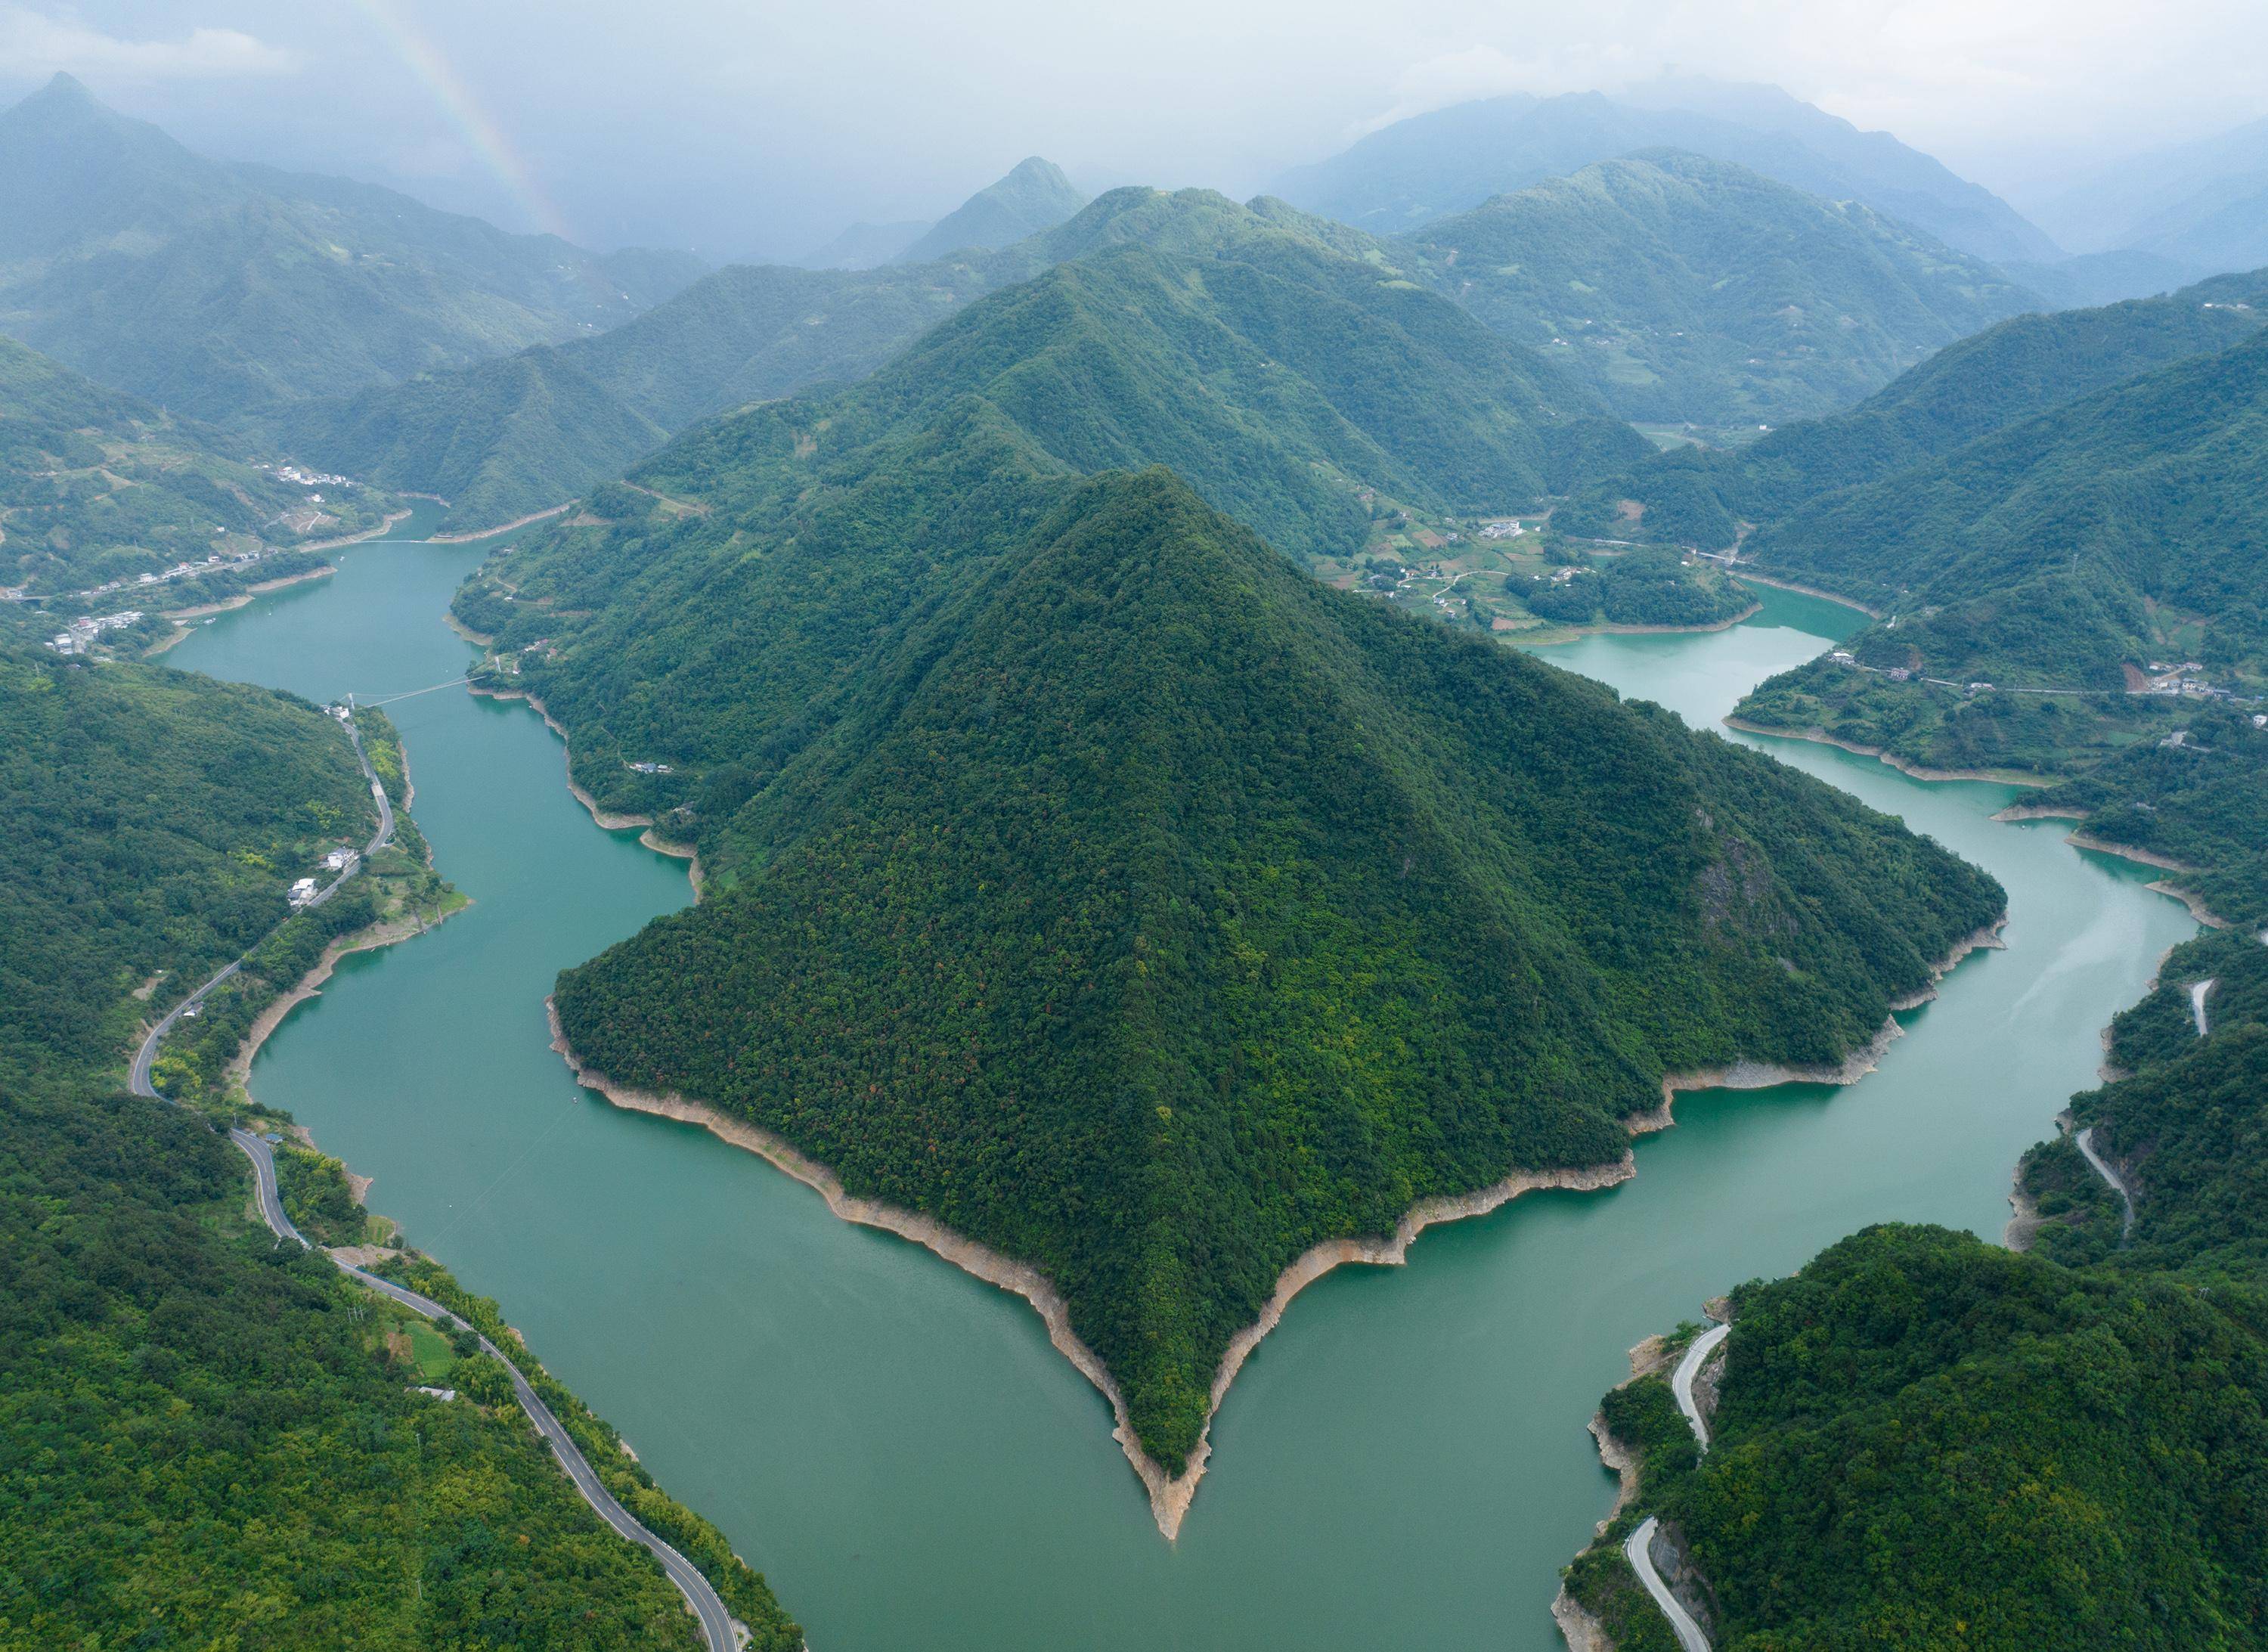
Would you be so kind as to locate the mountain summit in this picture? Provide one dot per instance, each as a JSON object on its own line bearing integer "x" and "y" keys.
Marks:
{"x": 1034, "y": 197}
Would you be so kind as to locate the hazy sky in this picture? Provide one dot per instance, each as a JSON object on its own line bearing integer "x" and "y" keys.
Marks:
{"x": 752, "y": 128}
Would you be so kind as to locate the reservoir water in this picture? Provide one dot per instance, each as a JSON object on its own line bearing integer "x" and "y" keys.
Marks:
{"x": 1403, "y": 1463}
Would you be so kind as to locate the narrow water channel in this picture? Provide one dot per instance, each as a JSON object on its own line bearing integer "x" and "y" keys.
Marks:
{"x": 1403, "y": 1464}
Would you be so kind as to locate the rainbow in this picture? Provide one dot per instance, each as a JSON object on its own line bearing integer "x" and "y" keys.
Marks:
{"x": 456, "y": 101}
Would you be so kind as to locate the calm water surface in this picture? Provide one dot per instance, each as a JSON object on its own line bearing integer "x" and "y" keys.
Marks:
{"x": 896, "y": 1446}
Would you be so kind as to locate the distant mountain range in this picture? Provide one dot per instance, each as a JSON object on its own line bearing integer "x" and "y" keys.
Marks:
{"x": 1618, "y": 277}
{"x": 2202, "y": 204}
{"x": 1035, "y": 195}
{"x": 213, "y": 288}
{"x": 1682, "y": 288}
{"x": 1432, "y": 166}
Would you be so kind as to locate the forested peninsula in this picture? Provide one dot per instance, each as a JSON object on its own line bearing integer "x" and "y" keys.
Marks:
{"x": 1083, "y": 877}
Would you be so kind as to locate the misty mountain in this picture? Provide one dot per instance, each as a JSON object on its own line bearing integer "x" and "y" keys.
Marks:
{"x": 864, "y": 245}
{"x": 2099, "y": 278}
{"x": 1451, "y": 160}
{"x": 213, "y": 287}
{"x": 2204, "y": 203}
{"x": 1681, "y": 288}
{"x": 1033, "y": 197}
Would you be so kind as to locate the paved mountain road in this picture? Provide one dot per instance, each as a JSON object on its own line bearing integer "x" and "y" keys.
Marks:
{"x": 717, "y": 1626}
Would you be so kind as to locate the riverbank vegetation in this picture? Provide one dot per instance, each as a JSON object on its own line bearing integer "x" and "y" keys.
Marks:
{"x": 206, "y": 1437}
{"x": 2045, "y": 518}
{"x": 2059, "y": 1447}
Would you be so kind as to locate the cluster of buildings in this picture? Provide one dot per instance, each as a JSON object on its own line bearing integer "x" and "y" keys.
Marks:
{"x": 2177, "y": 678}
{"x": 179, "y": 571}
{"x": 306, "y": 478}
{"x": 1501, "y": 530}
{"x": 80, "y": 635}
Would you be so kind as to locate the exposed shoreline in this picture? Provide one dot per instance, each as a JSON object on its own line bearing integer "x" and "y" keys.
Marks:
{"x": 370, "y": 938}
{"x": 466, "y": 537}
{"x": 1170, "y": 1496}
{"x": 1911, "y": 770}
{"x": 1560, "y": 637}
{"x": 367, "y": 535}
{"x": 605, "y": 820}
{"x": 2166, "y": 887}
{"x": 242, "y": 598}
{"x": 1738, "y": 572}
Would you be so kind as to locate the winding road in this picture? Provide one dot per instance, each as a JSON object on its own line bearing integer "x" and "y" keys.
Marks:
{"x": 1637, "y": 1548}
{"x": 717, "y": 1626}
{"x": 2086, "y": 1139}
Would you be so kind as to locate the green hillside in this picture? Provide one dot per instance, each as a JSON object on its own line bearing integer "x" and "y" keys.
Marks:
{"x": 1034, "y": 197}
{"x": 1124, "y": 871}
{"x": 203, "y": 1437}
{"x": 1999, "y": 377}
{"x": 97, "y": 487}
{"x": 489, "y": 439}
{"x": 1683, "y": 288}
{"x": 1451, "y": 160}
{"x": 2073, "y": 551}
{"x": 214, "y": 288}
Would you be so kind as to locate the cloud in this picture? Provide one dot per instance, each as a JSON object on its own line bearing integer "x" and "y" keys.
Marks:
{"x": 34, "y": 43}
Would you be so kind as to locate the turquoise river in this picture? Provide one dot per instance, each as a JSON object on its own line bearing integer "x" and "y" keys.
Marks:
{"x": 895, "y": 1444}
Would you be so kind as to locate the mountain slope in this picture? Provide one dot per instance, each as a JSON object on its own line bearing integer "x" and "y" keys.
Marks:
{"x": 2011, "y": 373}
{"x": 1687, "y": 289}
{"x": 1034, "y": 197}
{"x": 2068, "y": 552}
{"x": 213, "y": 288}
{"x": 1154, "y": 913}
{"x": 863, "y": 246}
{"x": 479, "y": 436}
{"x": 97, "y": 486}
{"x": 1451, "y": 160}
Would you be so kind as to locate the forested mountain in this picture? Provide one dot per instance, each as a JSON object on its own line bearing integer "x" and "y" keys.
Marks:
{"x": 214, "y": 288}
{"x": 2082, "y": 551}
{"x": 2062, "y": 1448}
{"x": 489, "y": 438}
{"x": 205, "y": 1437}
{"x": 1684, "y": 289}
{"x": 2001, "y": 377}
{"x": 1287, "y": 381}
{"x": 97, "y": 485}
{"x": 1150, "y": 908}
{"x": 1451, "y": 160}
{"x": 1034, "y": 197}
